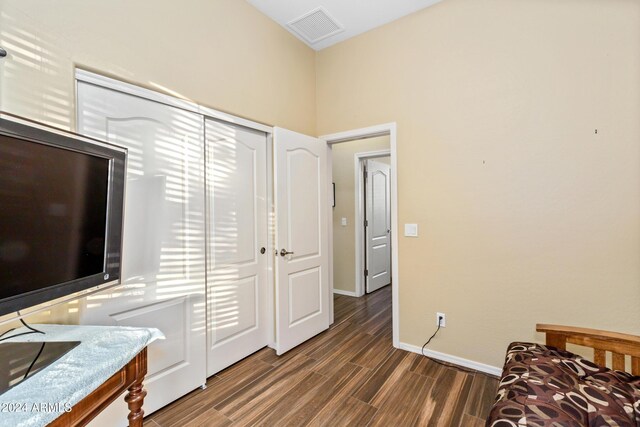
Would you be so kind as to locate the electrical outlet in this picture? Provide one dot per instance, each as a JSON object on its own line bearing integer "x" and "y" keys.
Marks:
{"x": 441, "y": 319}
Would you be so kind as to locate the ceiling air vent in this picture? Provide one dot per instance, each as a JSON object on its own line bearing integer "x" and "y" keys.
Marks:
{"x": 315, "y": 26}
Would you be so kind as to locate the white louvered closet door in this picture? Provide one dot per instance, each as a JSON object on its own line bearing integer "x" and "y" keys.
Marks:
{"x": 163, "y": 265}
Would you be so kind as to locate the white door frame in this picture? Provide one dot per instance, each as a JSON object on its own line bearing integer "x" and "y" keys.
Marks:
{"x": 360, "y": 213}
{"x": 368, "y": 132}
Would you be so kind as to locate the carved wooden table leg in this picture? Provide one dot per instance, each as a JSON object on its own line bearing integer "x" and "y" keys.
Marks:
{"x": 135, "y": 399}
{"x": 136, "y": 394}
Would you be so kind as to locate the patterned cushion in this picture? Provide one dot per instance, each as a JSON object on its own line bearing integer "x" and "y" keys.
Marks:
{"x": 544, "y": 386}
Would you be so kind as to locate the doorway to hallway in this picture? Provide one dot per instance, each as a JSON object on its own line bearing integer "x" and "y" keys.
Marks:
{"x": 361, "y": 215}
{"x": 349, "y": 239}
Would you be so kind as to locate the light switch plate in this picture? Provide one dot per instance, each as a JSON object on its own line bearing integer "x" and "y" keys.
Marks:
{"x": 411, "y": 230}
{"x": 343, "y": 222}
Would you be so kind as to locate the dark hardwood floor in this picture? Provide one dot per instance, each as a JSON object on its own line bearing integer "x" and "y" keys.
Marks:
{"x": 349, "y": 375}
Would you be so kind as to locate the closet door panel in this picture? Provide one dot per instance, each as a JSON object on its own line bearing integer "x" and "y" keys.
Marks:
{"x": 237, "y": 223}
{"x": 163, "y": 265}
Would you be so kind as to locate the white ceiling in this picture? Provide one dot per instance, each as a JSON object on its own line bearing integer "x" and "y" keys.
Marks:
{"x": 356, "y": 16}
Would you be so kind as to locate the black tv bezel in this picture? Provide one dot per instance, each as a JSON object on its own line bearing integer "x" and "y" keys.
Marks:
{"x": 32, "y": 132}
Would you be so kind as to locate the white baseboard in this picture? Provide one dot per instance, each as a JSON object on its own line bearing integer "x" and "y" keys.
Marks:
{"x": 347, "y": 293}
{"x": 466, "y": 363}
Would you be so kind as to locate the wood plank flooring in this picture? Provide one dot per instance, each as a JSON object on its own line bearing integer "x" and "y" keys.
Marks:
{"x": 349, "y": 375}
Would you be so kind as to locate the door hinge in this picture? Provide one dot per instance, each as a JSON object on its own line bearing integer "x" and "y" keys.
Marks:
{"x": 366, "y": 223}
{"x": 366, "y": 273}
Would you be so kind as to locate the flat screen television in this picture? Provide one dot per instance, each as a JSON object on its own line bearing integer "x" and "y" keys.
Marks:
{"x": 61, "y": 212}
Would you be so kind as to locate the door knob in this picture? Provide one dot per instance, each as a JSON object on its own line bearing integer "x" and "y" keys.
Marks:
{"x": 284, "y": 252}
{"x": 262, "y": 250}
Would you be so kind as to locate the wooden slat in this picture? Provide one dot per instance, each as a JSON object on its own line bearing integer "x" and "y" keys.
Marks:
{"x": 635, "y": 366}
{"x": 618, "y": 347}
{"x": 557, "y": 340}
{"x": 599, "y": 357}
{"x": 601, "y": 341}
{"x": 618, "y": 361}
{"x": 596, "y": 333}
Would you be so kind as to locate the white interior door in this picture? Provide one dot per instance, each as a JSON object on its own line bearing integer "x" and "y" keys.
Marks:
{"x": 237, "y": 223}
{"x": 163, "y": 264}
{"x": 302, "y": 282}
{"x": 378, "y": 229}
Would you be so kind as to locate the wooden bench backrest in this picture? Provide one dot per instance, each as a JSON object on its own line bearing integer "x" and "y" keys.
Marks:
{"x": 620, "y": 345}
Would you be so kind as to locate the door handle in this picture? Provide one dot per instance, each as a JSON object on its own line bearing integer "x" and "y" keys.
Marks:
{"x": 284, "y": 252}
{"x": 262, "y": 250}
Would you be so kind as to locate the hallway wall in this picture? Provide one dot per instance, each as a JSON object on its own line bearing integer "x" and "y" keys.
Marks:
{"x": 526, "y": 214}
{"x": 344, "y": 246}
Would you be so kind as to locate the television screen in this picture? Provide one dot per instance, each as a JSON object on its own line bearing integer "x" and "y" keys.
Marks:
{"x": 60, "y": 215}
{"x": 53, "y": 217}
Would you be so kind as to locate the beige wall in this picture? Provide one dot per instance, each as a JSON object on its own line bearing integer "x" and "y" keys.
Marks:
{"x": 344, "y": 238}
{"x": 526, "y": 215}
{"x": 224, "y": 54}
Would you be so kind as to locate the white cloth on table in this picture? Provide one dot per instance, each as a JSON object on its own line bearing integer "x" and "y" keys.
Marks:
{"x": 103, "y": 351}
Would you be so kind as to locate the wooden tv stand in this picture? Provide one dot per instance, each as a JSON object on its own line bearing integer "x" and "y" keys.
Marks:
{"x": 130, "y": 378}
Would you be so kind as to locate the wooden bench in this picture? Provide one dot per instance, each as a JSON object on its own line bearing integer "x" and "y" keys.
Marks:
{"x": 620, "y": 345}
